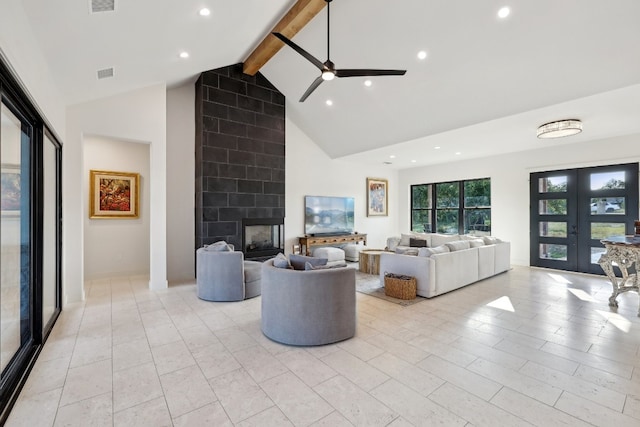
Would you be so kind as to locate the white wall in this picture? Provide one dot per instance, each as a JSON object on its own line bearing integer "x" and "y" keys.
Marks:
{"x": 310, "y": 172}
{"x": 138, "y": 115}
{"x": 510, "y": 181}
{"x": 116, "y": 247}
{"x": 181, "y": 183}
{"x": 20, "y": 48}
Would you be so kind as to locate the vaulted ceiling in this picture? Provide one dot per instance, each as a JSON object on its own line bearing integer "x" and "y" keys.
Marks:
{"x": 484, "y": 87}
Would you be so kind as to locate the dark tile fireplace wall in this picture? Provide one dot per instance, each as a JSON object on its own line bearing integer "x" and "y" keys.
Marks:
{"x": 240, "y": 153}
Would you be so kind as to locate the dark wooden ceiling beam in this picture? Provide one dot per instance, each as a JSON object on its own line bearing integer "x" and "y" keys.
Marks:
{"x": 295, "y": 19}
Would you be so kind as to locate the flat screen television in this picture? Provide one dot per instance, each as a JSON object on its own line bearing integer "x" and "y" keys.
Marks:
{"x": 328, "y": 215}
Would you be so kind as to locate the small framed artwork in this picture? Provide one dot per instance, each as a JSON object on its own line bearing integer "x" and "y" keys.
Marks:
{"x": 377, "y": 197}
{"x": 11, "y": 193}
{"x": 113, "y": 194}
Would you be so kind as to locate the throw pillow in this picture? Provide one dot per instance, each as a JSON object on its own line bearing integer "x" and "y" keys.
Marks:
{"x": 417, "y": 243}
{"x": 476, "y": 242}
{"x": 220, "y": 246}
{"x": 309, "y": 266}
{"x": 458, "y": 245}
{"x": 281, "y": 261}
{"x": 490, "y": 240}
{"x": 404, "y": 239}
{"x": 427, "y": 252}
{"x": 298, "y": 261}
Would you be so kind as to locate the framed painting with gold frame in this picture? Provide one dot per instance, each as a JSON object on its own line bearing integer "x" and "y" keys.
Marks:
{"x": 113, "y": 195}
{"x": 377, "y": 197}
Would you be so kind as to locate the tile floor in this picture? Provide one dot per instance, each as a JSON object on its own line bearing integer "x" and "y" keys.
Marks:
{"x": 528, "y": 347}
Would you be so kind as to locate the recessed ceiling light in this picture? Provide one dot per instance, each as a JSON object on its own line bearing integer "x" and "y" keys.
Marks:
{"x": 184, "y": 55}
{"x": 413, "y": 161}
{"x": 504, "y": 12}
{"x": 367, "y": 83}
{"x": 393, "y": 156}
{"x": 329, "y": 102}
{"x": 422, "y": 54}
{"x": 458, "y": 153}
{"x": 204, "y": 12}
{"x": 436, "y": 148}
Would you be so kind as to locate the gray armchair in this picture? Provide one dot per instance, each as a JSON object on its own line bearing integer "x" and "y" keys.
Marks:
{"x": 226, "y": 276}
{"x": 308, "y": 307}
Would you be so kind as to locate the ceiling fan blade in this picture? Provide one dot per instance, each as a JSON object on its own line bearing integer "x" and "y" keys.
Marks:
{"x": 367, "y": 73}
{"x": 300, "y": 50}
{"x": 313, "y": 87}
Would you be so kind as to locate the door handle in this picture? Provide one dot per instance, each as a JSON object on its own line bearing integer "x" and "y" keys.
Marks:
{"x": 574, "y": 230}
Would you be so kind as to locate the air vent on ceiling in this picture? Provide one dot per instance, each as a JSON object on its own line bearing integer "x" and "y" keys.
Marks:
{"x": 102, "y": 5}
{"x": 105, "y": 73}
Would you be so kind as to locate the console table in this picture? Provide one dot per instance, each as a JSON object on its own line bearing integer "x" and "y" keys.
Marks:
{"x": 624, "y": 251}
{"x": 306, "y": 242}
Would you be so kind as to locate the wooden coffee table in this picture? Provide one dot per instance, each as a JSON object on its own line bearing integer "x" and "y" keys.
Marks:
{"x": 370, "y": 261}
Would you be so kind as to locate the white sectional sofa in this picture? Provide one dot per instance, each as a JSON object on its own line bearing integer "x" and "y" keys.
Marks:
{"x": 447, "y": 262}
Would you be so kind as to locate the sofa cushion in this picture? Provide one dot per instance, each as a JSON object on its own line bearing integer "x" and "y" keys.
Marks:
{"x": 405, "y": 239}
{"x": 309, "y": 266}
{"x": 416, "y": 242}
{"x": 220, "y": 246}
{"x": 406, "y": 250}
{"x": 427, "y": 252}
{"x": 281, "y": 261}
{"x": 490, "y": 240}
{"x": 458, "y": 245}
{"x": 298, "y": 261}
{"x": 476, "y": 242}
{"x": 441, "y": 239}
{"x": 252, "y": 271}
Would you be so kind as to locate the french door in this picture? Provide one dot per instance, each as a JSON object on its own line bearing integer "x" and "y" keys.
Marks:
{"x": 573, "y": 209}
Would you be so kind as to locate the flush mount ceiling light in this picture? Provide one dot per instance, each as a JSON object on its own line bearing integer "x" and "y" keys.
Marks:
{"x": 559, "y": 128}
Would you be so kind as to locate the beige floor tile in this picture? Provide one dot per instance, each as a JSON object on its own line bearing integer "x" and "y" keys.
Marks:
{"x": 92, "y": 349}
{"x": 217, "y": 321}
{"x": 300, "y": 404}
{"x": 541, "y": 357}
{"x": 132, "y": 353}
{"x": 607, "y": 380}
{"x": 99, "y": 410}
{"x": 598, "y": 362}
{"x": 632, "y": 406}
{"x": 593, "y": 413}
{"x": 414, "y": 407}
{"x": 334, "y": 419}
{"x": 135, "y": 385}
{"x": 533, "y": 410}
{"x": 461, "y": 377}
{"x": 35, "y": 410}
{"x": 162, "y": 334}
{"x": 406, "y": 373}
{"x": 197, "y": 337}
{"x": 153, "y": 413}
{"x": 444, "y": 351}
{"x": 361, "y": 373}
{"x": 272, "y": 417}
{"x": 259, "y": 363}
{"x": 398, "y": 347}
{"x": 87, "y": 381}
{"x": 46, "y": 376}
{"x": 311, "y": 370}
{"x": 239, "y": 395}
{"x": 186, "y": 390}
{"x": 353, "y": 403}
{"x": 473, "y": 409}
{"x": 215, "y": 360}
{"x": 171, "y": 357}
{"x": 489, "y": 353}
{"x": 360, "y": 348}
{"x": 209, "y": 415}
{"x": 235, "y": 339}
{"x": 577, "y": 386}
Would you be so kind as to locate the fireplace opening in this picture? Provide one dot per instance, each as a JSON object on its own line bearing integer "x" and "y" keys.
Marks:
{"x": 262, "y": 237}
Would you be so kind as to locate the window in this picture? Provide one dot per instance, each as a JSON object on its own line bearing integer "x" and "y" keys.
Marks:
{"x": 461, "y": 207}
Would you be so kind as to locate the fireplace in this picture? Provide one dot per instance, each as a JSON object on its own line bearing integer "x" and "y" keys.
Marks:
{"x": 262, "y": 237}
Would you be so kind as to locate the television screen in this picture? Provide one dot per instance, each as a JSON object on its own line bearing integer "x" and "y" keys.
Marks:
{"x": 328, "y": 215}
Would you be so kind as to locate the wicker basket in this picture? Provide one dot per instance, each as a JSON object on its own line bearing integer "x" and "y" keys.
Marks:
{"x": 399, "y": 286}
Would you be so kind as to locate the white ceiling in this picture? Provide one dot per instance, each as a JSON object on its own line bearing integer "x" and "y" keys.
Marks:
{"x": 483, "y": 89}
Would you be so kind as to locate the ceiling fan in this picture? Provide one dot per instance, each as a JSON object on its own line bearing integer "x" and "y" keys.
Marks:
{"x": 327, "y": 68}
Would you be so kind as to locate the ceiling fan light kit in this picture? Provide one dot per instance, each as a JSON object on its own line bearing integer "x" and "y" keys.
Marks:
{"x": 327, "y": 68}
{"x": 559, "y": 129}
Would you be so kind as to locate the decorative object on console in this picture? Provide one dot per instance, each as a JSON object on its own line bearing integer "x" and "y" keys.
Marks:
{"x": 559, "y": 129}
{"x": 113, "y": 194}
{"x": 377, "y": 197}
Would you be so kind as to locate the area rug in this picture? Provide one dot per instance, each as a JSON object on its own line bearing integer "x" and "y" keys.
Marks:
{"x": 370, "y": 284}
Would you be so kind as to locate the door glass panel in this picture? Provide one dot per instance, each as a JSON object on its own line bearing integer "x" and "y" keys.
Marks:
{"x": 600, "y": 230}
{"x": 607, "y": 180}
{"x": 556, "y": 184}
{"x": 555, "y": 252}
{"x": 15, "y": 292}
{"x": 553, "y": 207}
{"x": 447, "y": 221}
{"x": 607, "y": 206}
{"x": 553, "y": 229}
{"x": 50, "y": 232}
{"x": 596, "y": 253}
